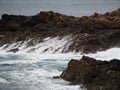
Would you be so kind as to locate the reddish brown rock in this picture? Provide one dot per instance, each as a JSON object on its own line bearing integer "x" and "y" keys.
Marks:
{"x": 101, "y": 31}
{"x": 93, "y": 74}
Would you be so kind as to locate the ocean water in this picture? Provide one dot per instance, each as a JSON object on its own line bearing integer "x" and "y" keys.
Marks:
{"x": 34, "y": 70}
{"x": 31, "y": 74}
{"x": 25, "y": 70}
{"x": 68, "y": 7}
{"x": 28, "y": 72}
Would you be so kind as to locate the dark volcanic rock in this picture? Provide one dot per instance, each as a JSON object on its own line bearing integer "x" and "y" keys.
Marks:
{"x": 14, "y": 50}
{"x": 101, "y": 31}
{"x": 94, "y": 74}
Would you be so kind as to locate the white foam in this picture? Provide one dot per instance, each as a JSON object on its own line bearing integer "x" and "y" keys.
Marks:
{"x": 2, "y": 80}
{"x": 107, "y": 55}
{"x": 103, "y": 55}
{"x": 52, "y": 47}
{"x": 43, "y": 79}
{"x": 19, "y": 61}
{"x": 49, "y": 45}
{"x": 55, "y": 56}
{"x": 42, "y": 76}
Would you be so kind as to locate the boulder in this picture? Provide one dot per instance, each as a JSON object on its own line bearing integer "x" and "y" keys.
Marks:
{"x": 93, "y": 74}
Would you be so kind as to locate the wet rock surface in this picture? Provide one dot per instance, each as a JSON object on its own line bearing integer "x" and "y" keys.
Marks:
{"x": 101, "y": 31}
{"x": 93, "y": 74}
{"x": 13, "y": 50}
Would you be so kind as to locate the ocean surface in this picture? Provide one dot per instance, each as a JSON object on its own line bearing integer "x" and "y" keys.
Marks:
{"x": 68, "y": 7}
{"x": 35, "y": 71}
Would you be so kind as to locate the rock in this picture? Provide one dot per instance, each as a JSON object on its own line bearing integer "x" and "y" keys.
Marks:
{"x": 101, "y": 31}
{"x": 93, "y": 74}
{"x": 14, "y": 50}
{"x": 56, "y": 77}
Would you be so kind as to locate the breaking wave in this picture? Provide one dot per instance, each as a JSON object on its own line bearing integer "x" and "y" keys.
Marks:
{"x": 32, "y": 68}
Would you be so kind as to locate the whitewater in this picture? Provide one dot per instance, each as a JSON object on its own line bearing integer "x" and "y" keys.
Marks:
{"x": 33, "y": 68}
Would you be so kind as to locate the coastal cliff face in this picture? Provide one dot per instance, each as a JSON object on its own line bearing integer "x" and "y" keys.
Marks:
{"x": 93, "y": 74}
{"x": 99, "y": 31}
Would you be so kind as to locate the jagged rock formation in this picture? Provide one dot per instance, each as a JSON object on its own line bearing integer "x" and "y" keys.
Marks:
{"x": 93, "y": 74}
{"x": 99, "y": 31}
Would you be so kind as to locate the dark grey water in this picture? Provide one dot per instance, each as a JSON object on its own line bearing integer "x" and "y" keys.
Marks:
{"x": 69, "y": 7}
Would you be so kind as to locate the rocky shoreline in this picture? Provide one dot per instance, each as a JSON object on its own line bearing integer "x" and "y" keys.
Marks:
{"x": 88, "y": 34}
{"x": 93, "y": 74}
{"x": 101, "y": 31}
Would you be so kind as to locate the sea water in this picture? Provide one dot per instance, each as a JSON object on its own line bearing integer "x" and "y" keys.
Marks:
{"x": 35, "y": 71}
{"x": 24, "y": 73}
{"x": 20, "y": 71}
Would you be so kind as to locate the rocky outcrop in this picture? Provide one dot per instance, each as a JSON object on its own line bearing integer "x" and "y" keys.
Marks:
{"x": 93, "y": 74}
{"x": 101, "y": 31}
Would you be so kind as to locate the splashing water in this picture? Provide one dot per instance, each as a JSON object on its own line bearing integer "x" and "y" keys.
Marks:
{"x": 49, "y": 45}
{"x": 25, "y": 70}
